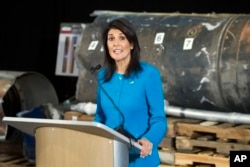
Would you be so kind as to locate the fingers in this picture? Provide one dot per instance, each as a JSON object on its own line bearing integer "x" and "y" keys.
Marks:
{"x": 146, "y": 152}
{"x": 146, "y": 149}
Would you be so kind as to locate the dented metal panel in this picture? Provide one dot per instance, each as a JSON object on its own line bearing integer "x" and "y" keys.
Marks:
{"x": 203, "y": 58}
{"x": 22, "y": 91}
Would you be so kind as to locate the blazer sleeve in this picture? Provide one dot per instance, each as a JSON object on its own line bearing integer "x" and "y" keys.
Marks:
{"x": 155, "y": 99}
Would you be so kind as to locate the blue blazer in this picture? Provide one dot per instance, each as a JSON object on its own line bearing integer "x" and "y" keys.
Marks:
{"x": 140, "y": 99}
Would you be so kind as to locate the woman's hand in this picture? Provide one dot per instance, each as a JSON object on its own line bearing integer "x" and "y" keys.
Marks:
{"x": 147, "y": 147}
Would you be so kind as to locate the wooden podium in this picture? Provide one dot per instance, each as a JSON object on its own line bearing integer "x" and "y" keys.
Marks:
{"x": 64, "y": 143}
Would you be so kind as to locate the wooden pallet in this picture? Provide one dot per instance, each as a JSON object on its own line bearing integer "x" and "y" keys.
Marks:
{"x": 167, "y": 157}
{"x": 11, "y": 147}
{"x": 201, "y": 158}
{"x": 223, "y": 137}
{"x": 222, "y": 131}
{"x": 186, "y": 144}
{"x": 199, "y": 143}
{"x": 14, "y": 161}
{"x": 165, "y": 165}
{"x": 204, "y": 158}
{"x": 168, "y": 141}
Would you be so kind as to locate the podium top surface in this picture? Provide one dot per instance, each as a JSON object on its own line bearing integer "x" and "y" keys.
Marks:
{"x": 29, "y": 126}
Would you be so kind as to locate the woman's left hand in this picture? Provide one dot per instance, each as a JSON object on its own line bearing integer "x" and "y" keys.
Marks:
{"x": 147, "y": 147}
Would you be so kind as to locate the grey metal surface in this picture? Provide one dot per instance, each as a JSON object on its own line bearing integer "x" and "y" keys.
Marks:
{"x": 231, "y": 117}
{"x": 121, "y": 153}
{"x": 203, "y": 58}
{"x": 20, "y": 91}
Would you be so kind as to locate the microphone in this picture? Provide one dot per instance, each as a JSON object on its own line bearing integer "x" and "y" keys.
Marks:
{"x": 120, "y": 128}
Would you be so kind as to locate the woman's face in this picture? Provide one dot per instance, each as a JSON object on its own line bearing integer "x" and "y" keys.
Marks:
{"x": 118, "y": 45}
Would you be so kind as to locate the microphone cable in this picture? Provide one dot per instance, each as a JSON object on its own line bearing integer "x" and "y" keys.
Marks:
{"x": 119, "y": 129}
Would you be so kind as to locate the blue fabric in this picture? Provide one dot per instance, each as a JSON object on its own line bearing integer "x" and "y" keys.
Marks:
{"x": 29, "y": 142}
{"x": 141, "y": 100}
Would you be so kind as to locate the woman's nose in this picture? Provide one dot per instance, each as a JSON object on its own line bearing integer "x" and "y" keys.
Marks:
{"x": 116, "y": 42}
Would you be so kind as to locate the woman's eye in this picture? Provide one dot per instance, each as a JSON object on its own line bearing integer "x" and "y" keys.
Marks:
{"x": 110, "y": 38}
{"x": 123, "y": 38}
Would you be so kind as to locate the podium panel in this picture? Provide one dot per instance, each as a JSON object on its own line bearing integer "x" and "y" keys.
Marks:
{"x": 58, "y": 147}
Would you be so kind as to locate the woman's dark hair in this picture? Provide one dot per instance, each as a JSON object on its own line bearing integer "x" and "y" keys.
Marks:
{"x": 127, "y": 28}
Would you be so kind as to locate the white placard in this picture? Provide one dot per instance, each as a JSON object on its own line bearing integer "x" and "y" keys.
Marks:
{"x": 159, "y": 37}
{"x": 93, "y": 45}
{"x": 188, "y": 43}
